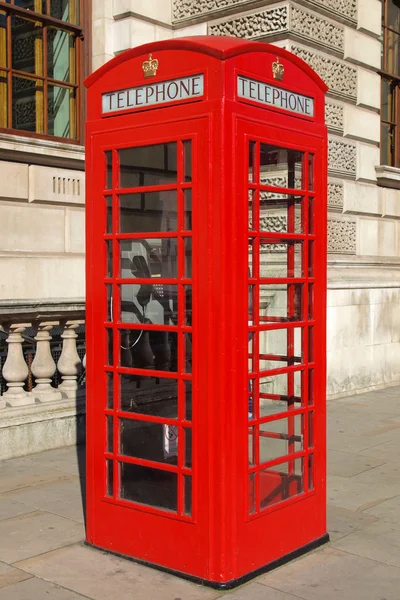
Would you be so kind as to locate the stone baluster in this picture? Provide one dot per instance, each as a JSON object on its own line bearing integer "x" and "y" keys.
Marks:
{"x": 69, "y": 364}
{"x": 43, "y": 365}
{"x": 15, "y": 369}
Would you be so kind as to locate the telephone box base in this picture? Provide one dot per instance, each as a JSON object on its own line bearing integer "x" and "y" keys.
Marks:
{"x": 233, "y": 583}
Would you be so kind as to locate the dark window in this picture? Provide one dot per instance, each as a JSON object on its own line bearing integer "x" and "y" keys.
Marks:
{"x": 41, "y": 51}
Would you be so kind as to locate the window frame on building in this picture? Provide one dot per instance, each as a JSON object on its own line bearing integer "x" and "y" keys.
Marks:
{"x": 390, "y": 86}
{"x": 48, "y": 89}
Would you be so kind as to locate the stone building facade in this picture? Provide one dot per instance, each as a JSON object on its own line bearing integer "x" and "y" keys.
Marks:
{"x": 43, "y": 189}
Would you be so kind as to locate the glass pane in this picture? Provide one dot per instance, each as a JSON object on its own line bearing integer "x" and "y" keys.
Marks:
{"x": 152, "y": 304}
{"x": 252, "y": 448}
{"x": 188, "y": 400}
{"x": 280, "y": 438}
{"x": 109, "y": 248}
{"x": 393, "y": 53}
{"x": 252, "y": 162}
{"x": 108, "y": 156}
{"x": 148, "y": 258}
{"x": 109, "y": 291}
{"x": 311, "y": 429}
{"x": 28, "y": 102}
{"x": 149, "y": 396}
{"x": 109, "y": 214}
{"x": 311, "y": 204}
{"x": 34, "y": 5}
{"x": 188, "y": 496}
{"x": 311, "y": 171}
{"x": 145, "y": 485}
{"x": 280, "y": 302}
{"x": 148, "y": 441}
{"x": 110, "y": 390}
{"x": 393, "y": 14}
{"x": 311, "y": 387}
{"x": 61, "y": 111}
{"x": 280, "y": 167}
{"x": 281, "y": 482}
{"x": 387, "y": 102}
{"x": 148, "y": 165}
{"x": 311, "y": 301}
{"x": 27, "y": 46}
{"x": 153, "y": 350}
{"x": 110, "y": 347}
{"x": 252, "y": 493}
{"x": 387, "y": 144}
{"x": 65, "y": 10}
{"x": 274, "y": 393}
{"x": 150, "y": 212}
{"x": 3, "y": 98}
{"x": 311, "y": 472}
{"x": 188, "y": 209}
{"x": 110, "y": 434}
{"x": 281, "y": 213}
{"x": 187, "y": 340}
{"x": 187, "y": 160}
{"x": 60, "y": 55}
{"x": 188, "y": 257}
{"x": 110, "y": 477}
{"x": 187, "y": 316}
{"x": 281, "y": 258}
{"x": 280, "y": 348}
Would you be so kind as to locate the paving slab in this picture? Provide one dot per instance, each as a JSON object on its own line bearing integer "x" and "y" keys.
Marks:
{"x": 36, "y": 589}
{"x": 17, "y": 473}
{"x": 60, "y": 496}
{"x": 69, "y": 460}
{"x": 34, "y": 533}
{"x": 10, "y": 575}
{"x": 331, "y": 574}
{"x": 387, "y": 473}
{"x": 99, "y": 576}
{"x": 11, "y": 508}
{"x": 389, "y": 510}
{"x": 342, "y": 522}
{"x": 346, "y": 464}
{"x": 378, "y": 541}
{"x": 347, "y": 493}
{"x": 389, "y": 451}
{"x": 257, "y": 591}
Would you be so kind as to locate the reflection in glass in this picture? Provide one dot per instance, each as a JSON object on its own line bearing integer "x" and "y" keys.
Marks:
{"x": 281, "y": 213}
{"x": 109, "y": 316}
{"x": 60, "y": 55}
{"x": 393, "y": 52}
{"x": 281, "y": 258}
{"x": 311, "y": 472}
{"x": 147, "y": 440}
{"x": 60, "y": 108}
{"x": 146, "y": 485}
{"x": 188, "y": 400}
{"x": 280, "y": 438}
{"x": 148, "y": 258}
{"x": 109, "y": 248}
{"x": 155, "y": 304}
{"x": 152, "y": 350}
{"x": 187, "y": 160}
{"x": 149, "y": 212}
{"x": 187, "y": 225}
{"x": 65, "y": 10}
{"x": 388, "y": 101}
{"x": 187, "y": 340}
{"x": 281, "y": 482}
{"x": 188, "y": 257}
{"x": 281, "y": 167}
{"x": 311, "y": 429}
{"x": 311, "y": 172}
{"x": 252, "y": 493}
{"x": 387, "y": 143}
{"x": 187, "y": 315}
{"x": 252, "y": 162}
{"x": 251, "y": 444}
{"x": 188, "y": 447}
{"x": 27, "y": 35}
{"x": 149, "y": 395}
{"x": 274, "y": 393}
{"x": 148, "y": 165}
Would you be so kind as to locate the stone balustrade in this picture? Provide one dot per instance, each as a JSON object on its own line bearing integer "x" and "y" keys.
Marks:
{"x": 41, "y": 319}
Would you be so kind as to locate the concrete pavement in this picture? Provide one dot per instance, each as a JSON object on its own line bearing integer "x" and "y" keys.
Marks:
{"x": 41, "y": 525}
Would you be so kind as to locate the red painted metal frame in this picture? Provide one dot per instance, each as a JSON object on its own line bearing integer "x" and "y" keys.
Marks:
{"x": 220, "y": 542}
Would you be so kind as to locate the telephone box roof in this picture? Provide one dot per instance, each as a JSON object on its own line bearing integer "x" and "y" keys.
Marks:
{"x": 220, "y": 47}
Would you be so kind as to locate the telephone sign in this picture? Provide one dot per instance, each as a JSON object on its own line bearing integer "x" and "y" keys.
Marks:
{"x": 206, "y": 303}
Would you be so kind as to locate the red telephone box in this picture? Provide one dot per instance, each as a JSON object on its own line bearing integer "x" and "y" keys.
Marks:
{"x": 206, "y": 294}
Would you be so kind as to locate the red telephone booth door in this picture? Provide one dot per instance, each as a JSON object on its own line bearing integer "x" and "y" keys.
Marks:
{"x": 144, "y": 444}
{"x": 285, "y": 208}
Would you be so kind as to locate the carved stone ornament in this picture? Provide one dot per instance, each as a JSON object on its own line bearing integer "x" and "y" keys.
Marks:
{"x": 334, "y": 116}
{"x": 342, "y": 236}
{"x": 342, "y": 158}
{"x": 261, "y": 24}
{"x": 335, "y": 196}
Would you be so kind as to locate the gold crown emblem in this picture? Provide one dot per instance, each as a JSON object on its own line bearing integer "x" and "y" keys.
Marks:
{"x": 150, "y": 66}
{"x": 278, "y": 70}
